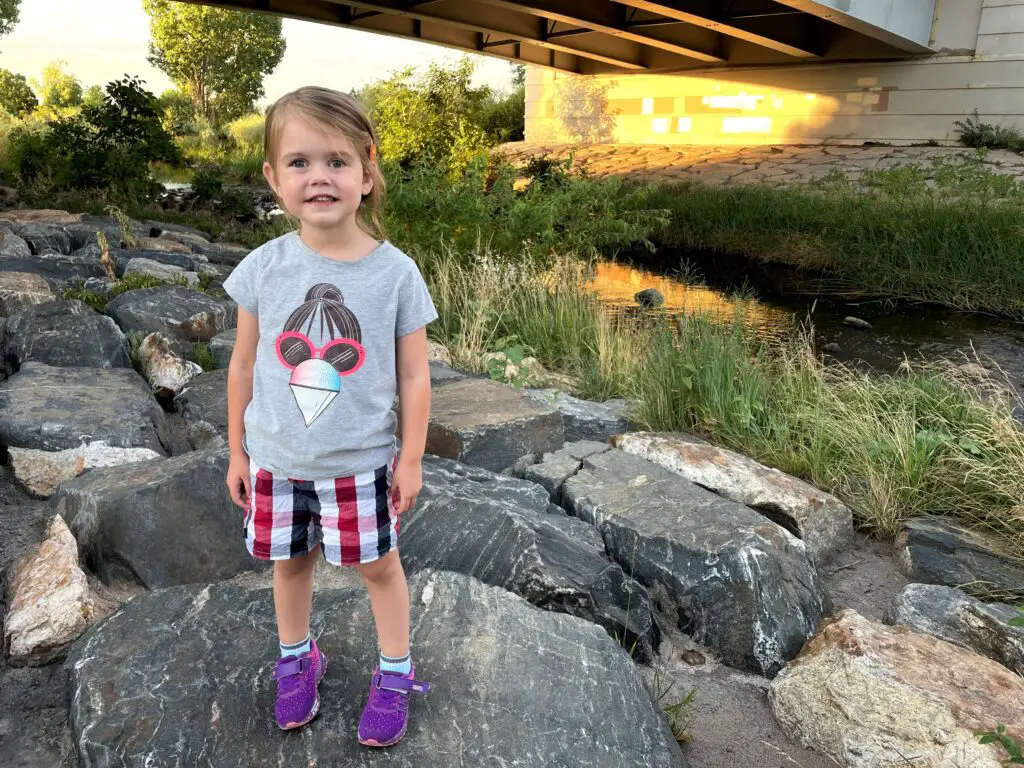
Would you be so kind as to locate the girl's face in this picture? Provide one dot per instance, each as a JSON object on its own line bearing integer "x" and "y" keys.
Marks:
{"x": 317, "y": 176}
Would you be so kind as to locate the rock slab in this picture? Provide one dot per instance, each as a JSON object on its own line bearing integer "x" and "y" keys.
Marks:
{"x": 173, "y": 309}
{"x": 41, "y": 472}
{"x": 870, "y": 696}
{"x": 957, "y": 618}
{"x": 50, "y": 604}
{"x": 489, "y": 424}
{"x": 584, "y": 419}
{"x": 158, "y": 523}
{"x": 161, "y": 683}
{"x": 19, "y": 290}
{"x": 497, "y": 529}
{"x": 735, "y": 581}
{"x": 65, "y": 334}
{"x": 821, "y": 520}
{"x": 51, "y": 409}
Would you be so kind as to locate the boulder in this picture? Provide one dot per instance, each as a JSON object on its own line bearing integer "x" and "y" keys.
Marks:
{"x": 168, "y": 272}
{"x": 221, "y": 347}
{"x": 488, "y": 424}
{"x": 438, "y": 353}
{"x": 938, "y": 551}
{"x": 65, "y": 334}
{"x": 173, "y": 309}
{"x": 49, "y": 604}
{"x": 735, "y": 581}
{"x": 957, "y": 618}
{"x": 56, "y": 408}
{"x": 41, "y": 472}
{"x": 158, "y": 523}
{"x": 497, "y": 529}
{"x": 165, "y": 370}
{"x": 165, "y": 265}
{"x": 821, "y": 520}
{"x": 20, "y": 290}
{"x": 21, "y": 217}
{"x": 442, "y": 374}
{"x": 649, "y": 298}
{"x": 61, "y": 271}
{"x": 583, "y": 419}
{"x": 205, "y": 399}
{"x": 12, "y": 246}
{"x": 511, "y": 685}
{"x": 45, "y": 238}
{"x": 870, "y": 696}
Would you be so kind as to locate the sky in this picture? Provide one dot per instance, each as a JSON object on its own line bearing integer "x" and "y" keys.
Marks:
{"x": 103, "y": 41}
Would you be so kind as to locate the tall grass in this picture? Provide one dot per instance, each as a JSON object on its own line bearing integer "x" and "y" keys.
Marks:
{"x": 892, "y": 447}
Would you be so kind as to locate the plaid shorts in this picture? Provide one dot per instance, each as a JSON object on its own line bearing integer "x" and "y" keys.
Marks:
{"x": 351, "y": 517}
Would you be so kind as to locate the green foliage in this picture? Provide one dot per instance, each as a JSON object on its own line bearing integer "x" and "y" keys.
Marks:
{"x": 93, "y": 97}
{"x": 975, "y": 133}
{"x": 108, "y": 145}
{"x": 503, "y": 118}
{"x": 1014, "y": 751}
{"x": 179, "y": 113}
{"x": 8, "y": 15}
{"x": 434, "y": 115}
{"x": 58, "y": 88}
{"x": 217, "y": 57}
{"x": 15, "y": 94}
{"x": 202, "y": 356}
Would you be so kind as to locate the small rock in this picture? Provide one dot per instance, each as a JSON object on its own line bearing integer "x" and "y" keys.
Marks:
{"x": 19, "y": 290}
{"x": 649, "y": 298}
{"x": 50, "y": 607}
{"x": 832, "y": 348}
{"x": 694, "y": 658}
{"x": 974, "y": 372}
{"x": 41, "y": 472}
{"x": 438, "y": 353}
{"x": 166, "y": 372}
{"x": 856, "y": 322}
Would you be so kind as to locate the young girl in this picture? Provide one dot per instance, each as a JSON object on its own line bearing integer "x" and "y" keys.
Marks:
{"x": 330, "y": 323}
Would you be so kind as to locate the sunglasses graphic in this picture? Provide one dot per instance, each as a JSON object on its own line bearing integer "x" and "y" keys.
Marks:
{"x": 345, "y": 355}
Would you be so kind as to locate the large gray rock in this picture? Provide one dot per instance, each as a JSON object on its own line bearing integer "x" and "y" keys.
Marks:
{"x": 173, "y": 309}
{"x": 46, "y": 238}
{"x": 497, "y": 529}
{"x": 205, "y": 398}
{"x": 221, "y": 347}
{"x": 162, "y": 682}
{"x": 957, "y": 618}
{"x": 56, "y": 408}
{"x": 168, "y": 272}
{"x": 67, "y": 334}
{"x": 158, "y": 523}
{"x": 19, "y": 290}
{"x": 937, "y": 551}
{"x": 12, "y": 246}
{"x": 737, "y": 582}
{"x": 60, "y": 270}
{"x": 490, "y": 425}
{"x": 821, "y": 520}
{"x": 585, "y": 420}
{"x": 169, "y": 260}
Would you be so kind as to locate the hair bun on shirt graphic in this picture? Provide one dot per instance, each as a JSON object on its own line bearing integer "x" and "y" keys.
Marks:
{"x": 321, "y": 342}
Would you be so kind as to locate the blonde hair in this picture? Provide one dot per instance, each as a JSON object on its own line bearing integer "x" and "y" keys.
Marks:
{"x": 340, "y": 113}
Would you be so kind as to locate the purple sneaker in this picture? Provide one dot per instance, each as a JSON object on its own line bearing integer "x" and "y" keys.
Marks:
{"x": 298, "y": 700}
{"x": 386, "y": 714}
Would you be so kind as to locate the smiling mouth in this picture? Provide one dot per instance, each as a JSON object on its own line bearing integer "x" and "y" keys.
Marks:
{"x": 322, "y": 199}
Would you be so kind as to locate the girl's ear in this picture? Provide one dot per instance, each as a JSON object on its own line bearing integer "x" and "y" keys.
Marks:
{"x": 268, "y": 174}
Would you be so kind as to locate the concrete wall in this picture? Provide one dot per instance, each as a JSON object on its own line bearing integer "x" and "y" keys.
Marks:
{"x": 979, "y": 64}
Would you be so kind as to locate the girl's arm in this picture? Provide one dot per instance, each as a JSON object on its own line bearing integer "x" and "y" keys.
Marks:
{"x": 243, "y": 358}
{"x": 414, "y": 397}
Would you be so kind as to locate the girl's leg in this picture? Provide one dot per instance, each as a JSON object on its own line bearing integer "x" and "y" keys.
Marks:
{"x": 389, "y": 599}
{"x": 293, "y": 596}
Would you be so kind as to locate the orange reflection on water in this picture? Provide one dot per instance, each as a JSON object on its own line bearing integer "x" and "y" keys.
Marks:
{"x": 617, "y": 285}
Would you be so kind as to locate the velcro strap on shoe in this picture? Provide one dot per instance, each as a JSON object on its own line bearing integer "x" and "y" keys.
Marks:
{"x": 395, "y": 682}
{"x": 293, "y": 667}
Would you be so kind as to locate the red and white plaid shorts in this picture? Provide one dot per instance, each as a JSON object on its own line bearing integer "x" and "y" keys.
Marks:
{"x": 352, "y": 517}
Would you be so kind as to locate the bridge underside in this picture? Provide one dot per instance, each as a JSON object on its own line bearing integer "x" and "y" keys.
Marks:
{"x": 634, "y": 36}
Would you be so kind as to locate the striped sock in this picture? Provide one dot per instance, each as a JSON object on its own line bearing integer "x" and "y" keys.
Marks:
{"x": 297, "y": 649}
{"x": 401, "y": 665}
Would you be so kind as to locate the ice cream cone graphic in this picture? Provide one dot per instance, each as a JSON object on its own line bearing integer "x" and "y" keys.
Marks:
{"x": 315, "y": 384}
{"x": 320, "y": 344}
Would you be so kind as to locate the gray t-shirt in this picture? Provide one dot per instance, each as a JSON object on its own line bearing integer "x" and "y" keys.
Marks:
{"x": 324, "y": 381}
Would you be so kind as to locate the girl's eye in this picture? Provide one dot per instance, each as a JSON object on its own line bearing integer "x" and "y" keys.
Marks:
{"x": 337, "y": 163}
{"x": 297, "y": 163}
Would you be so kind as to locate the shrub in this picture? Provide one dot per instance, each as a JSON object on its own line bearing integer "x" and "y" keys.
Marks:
{"x": 503, "y": 118}
{"x": 974, "y": 133}
{"x": 15, "y": 94}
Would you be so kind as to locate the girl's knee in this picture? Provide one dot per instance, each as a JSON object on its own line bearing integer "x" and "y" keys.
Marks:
{"x": 383, "y": 570}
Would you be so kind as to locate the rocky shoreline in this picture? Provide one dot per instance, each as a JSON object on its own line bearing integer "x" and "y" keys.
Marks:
{"x": 567, "y": 569}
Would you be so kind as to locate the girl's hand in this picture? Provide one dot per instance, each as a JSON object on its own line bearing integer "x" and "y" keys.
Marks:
{"x": 238, "y": 480}
{"x": 406, "y": 484}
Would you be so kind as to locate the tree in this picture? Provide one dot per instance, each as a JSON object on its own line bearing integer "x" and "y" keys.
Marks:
{"x": 218, "y": 57}
{"x": 8, "y": 15}
{"x": 15, "y": 95}
{"x": 57, "y": 88}
{"x": 93, "y": 96}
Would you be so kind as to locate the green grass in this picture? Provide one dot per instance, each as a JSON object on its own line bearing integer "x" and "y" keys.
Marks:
{"x": 202, "y": 356}
{"x": 99, "y": 301}
{"x": 892, "y": 447}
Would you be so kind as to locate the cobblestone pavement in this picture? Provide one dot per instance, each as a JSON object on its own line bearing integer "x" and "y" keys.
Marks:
{"x": 773, "y": 165}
